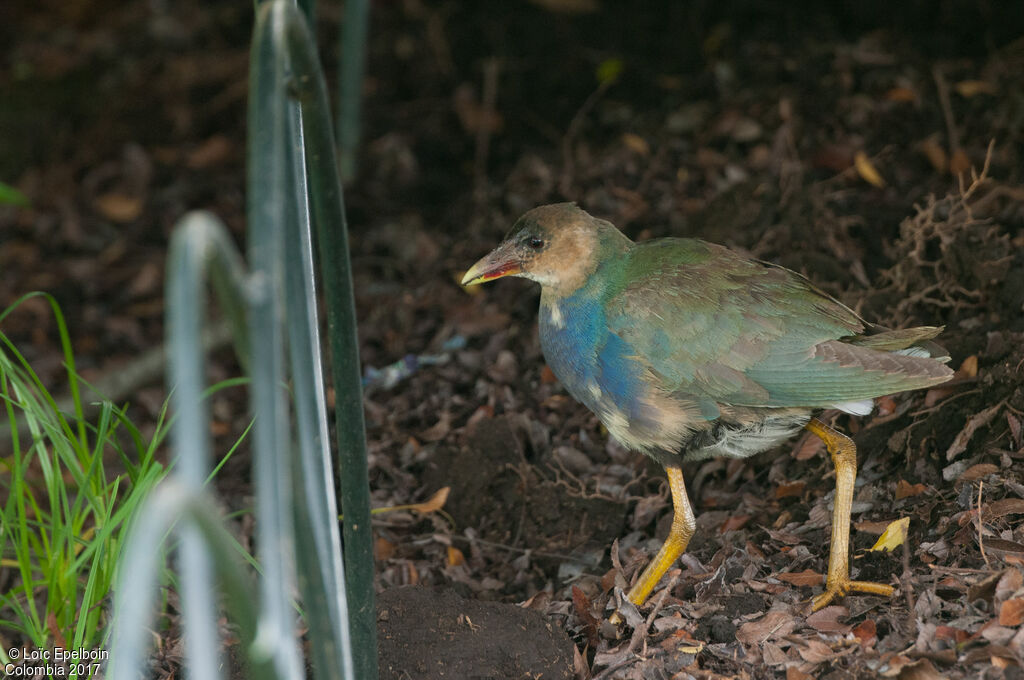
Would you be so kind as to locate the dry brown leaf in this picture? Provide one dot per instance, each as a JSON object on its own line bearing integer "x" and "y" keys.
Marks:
{"x": 770, "y": 626}
{"x": 55, "y": 630}
{"x": 809, "y": 447}
{"x": 214, "y": 151}
{"x": 482, "y": 412}
{"x": 636, "y": 144}
{"x": 935, "y": 395}
{"x": 972, "y": 88}
{"x": 434, "y": 503}
{"x": 959, "y": 163}
{"x": 901, "y": 94}
{"x": 968, "y": 368}
{"x": 1011, "y": 613}
{"x": 580, "y": 667}
{"x": 832, "y": 157}
{"x": 681, "y": 641}
{"x": 885, "y": 406}
{"x": 996, "y": 634}
{"x": 473, "y": 115}
{"x": 1001, "y": 508}
{"x": 794, "y": 673}
{"x": 978, "y": 471}
{"x": 792, "y": 489}
{"x": 922, "y": 669}
{"x": 974, "y": 423}
{"x": 734, "y": 522}
{"x": 826, "y": 620}
{"x": 867, "y": 170}
{"x": 895, "y": 664}
{"x": 1009, "y": 583}
{"x": 866, "y": 632}
{"x": 1000, "y": 546}
{"x": 581, "y": 604}
{"x": 438, "y": 430}
{"x": 893, "y": 536}
{"x": 955, "y": 635}
{"x": 802, "y": 578}
{"x": 118, "y": 207}
{"x": 816, "y": 651}
{"x": 871, "y": 526}
{"x": 455, "y": 557}
{"x": 147, "y": 281}
{"x": 753, "y": 551}
{"x": 935, "y": 154}
{"x": 773, "y": 654}
{"x": 785, "y": 537}
{"x": 905, "y": 489}
{"x": 383, "y": 549}
{"x": 1015, "y": 428}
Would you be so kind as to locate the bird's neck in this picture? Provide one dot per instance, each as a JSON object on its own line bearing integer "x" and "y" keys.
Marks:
{"x": 587, "y": 272}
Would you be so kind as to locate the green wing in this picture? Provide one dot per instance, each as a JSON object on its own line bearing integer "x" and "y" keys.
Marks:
{"x": 721, "y": 329}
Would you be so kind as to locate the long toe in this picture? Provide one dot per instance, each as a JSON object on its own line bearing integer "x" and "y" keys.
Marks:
{"x": 841, "y": 588}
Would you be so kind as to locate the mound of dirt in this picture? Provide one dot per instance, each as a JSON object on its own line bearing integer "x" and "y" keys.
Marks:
{"x": 427, "y": 634}
{"x": 509, "y": 499}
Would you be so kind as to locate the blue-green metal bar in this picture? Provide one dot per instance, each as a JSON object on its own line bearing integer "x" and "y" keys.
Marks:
{"x": 351, "y": 72}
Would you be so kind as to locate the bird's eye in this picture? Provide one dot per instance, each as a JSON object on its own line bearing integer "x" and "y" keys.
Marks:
{"x": 536, "y": 242}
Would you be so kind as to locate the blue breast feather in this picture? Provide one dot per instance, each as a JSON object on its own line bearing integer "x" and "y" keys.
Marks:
{"x": 582, "y": 352}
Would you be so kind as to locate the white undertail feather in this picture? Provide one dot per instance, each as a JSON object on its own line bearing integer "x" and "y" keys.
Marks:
{"x": 914, "y": 352}
{"x": 856, "y": 408}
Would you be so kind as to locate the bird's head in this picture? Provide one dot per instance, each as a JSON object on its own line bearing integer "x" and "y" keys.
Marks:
{"x": 557, "y": 246}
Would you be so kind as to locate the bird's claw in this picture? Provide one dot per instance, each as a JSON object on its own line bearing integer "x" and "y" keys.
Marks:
{"x": 840, "y": 587}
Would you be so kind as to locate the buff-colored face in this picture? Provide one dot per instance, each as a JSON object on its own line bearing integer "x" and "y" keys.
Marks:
{"x": 553, "y": 245}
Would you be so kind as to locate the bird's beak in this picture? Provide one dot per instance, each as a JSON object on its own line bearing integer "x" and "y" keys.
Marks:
{"x": 502, "y": 261}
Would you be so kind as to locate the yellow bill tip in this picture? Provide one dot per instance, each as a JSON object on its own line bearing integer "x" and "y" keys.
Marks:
{"x": 486, "y": 270}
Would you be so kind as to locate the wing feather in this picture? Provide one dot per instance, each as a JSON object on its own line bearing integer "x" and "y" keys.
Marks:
{"x": 709, "y": 324}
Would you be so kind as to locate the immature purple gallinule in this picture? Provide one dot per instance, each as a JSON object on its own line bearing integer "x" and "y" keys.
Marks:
{"x": 686, "y": 350}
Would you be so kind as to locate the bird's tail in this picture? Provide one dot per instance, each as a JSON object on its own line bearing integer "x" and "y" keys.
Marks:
{"x": 914, "y": 342}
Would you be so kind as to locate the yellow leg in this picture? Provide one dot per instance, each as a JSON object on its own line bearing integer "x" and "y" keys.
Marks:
{"x": 683, "y": 525}
{"x": 844, "y": 457}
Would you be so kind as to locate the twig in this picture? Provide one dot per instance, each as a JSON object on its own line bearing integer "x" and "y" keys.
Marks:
{"x": 492, "y": 68}
{"x": 906, "y": 583}
{"x": 981, "y": 544}
{"x": 521, "y": 551}
{"x": 568, "y": 163}
{"x": 659, "y": 602}
{"x": 958, "y": 570}
{"x": 947, "y": 109}
{"x": 944, "y": 402}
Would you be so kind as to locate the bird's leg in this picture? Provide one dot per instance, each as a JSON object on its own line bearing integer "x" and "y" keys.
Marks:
{"x": 844, "y": 458}
{"x": 683, "y": 525}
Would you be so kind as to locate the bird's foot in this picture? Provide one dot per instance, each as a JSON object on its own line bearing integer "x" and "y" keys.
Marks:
{"x": 839, "y": 587}
{"x": 627, "y": 612}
